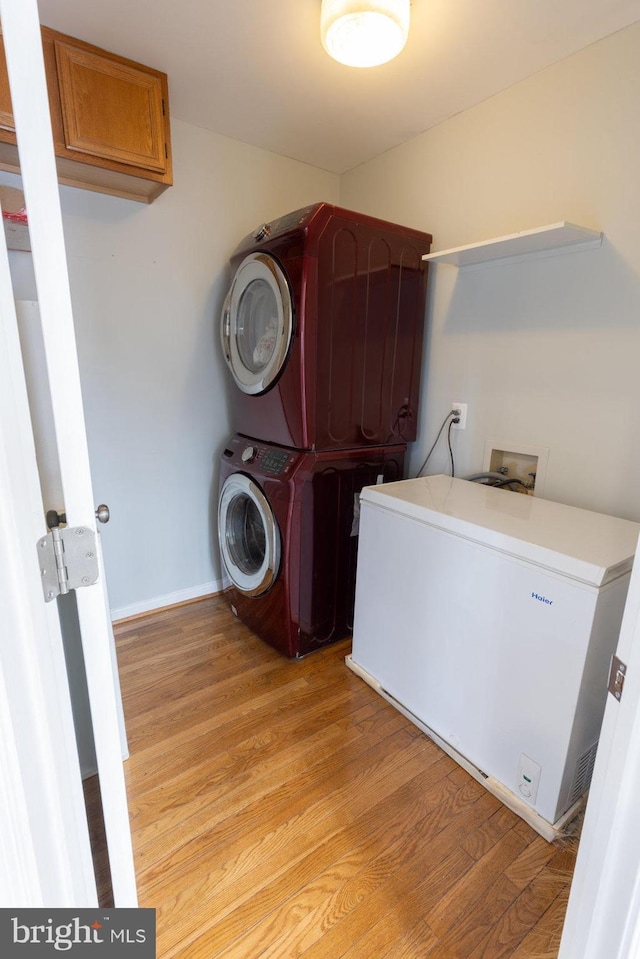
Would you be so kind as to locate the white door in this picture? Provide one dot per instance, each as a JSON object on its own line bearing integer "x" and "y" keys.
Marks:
{"x": 44, "y": 839}
{"x": 257, "y": 323}
{"x": 21, "y": 31}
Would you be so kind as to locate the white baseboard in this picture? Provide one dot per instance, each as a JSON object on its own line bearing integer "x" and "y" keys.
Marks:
{"x": 169, "y": 599}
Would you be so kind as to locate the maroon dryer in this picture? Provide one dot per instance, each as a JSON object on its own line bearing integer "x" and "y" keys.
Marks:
{"x": 288, "y": 531}
{"x": 322, "y": 330}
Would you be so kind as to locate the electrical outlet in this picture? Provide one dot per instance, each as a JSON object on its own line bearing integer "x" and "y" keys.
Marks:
{"x": 462, "y": 425}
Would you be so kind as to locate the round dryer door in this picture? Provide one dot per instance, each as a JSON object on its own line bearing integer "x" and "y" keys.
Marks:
{"x": 249, "y": 536}
{"x": 257, "y": 322}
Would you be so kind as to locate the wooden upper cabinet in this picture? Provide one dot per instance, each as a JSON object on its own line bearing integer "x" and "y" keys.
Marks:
{"x": 129, "y": 125}
{"x": 109, "y": 116}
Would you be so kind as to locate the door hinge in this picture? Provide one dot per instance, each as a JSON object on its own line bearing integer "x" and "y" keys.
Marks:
{"x": 616, "y": 677}
{"x": 68, "y": 560}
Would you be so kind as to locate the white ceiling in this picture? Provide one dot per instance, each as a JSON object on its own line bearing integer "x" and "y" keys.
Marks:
{"x": 255, "y": 70}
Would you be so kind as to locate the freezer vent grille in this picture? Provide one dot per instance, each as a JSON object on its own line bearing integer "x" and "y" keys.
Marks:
{"x": 583, "y": 774}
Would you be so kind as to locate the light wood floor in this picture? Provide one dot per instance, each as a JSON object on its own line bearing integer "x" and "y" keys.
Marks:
{"x": 283, "y": 809}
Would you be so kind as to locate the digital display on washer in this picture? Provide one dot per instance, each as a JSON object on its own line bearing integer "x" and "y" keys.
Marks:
{"x": 274, "y": 461}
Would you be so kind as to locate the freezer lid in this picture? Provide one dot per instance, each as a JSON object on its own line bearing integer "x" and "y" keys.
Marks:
{"x": 586, "y": 546}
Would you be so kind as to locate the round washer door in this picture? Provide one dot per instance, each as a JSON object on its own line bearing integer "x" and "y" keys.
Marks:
{"x": 257, "y": 322}
{"x": 249, "y": 536}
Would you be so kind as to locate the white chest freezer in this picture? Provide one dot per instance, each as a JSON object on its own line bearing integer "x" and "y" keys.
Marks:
{"x": 490, "y": 618}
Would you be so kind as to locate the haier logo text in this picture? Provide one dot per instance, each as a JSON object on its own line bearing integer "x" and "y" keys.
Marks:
{"x": 542, "y": 599}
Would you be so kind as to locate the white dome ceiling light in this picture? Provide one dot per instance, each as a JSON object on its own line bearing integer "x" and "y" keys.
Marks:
{"x": 364, "y": 33}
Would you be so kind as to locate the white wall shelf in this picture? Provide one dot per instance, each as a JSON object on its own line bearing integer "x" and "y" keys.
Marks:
{"x": 543, "y": 241}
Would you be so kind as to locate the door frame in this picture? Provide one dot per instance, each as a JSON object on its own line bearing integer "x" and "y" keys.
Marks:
{"x": 25, "y": 66}
{"x": 603, "y": 915}
{"x": 43, "y": 831}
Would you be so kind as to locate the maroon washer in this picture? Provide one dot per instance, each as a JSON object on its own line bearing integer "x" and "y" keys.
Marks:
{"x": 288, "y": 531}
{"x": 322, "y": 330}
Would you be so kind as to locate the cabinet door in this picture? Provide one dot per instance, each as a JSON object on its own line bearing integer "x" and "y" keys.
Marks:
{"x": 129, "y": 126}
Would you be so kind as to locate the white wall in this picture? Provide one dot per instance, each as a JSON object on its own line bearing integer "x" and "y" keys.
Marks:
{"x": 147, "y": 285}
{"x": 545, "y": 353}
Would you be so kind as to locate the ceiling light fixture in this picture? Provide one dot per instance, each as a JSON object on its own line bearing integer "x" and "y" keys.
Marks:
{"x": 364, "y": 33}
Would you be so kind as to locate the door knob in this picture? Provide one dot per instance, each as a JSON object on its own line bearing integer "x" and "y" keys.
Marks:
{"x": 102, "y": 513}
{"x": 55, "y": 519}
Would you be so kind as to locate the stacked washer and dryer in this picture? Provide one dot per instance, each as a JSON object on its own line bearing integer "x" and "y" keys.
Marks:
{"x": 322, "y": 331}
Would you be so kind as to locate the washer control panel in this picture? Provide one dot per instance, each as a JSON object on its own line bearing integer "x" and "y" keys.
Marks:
{"x": 274, "y": 461}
